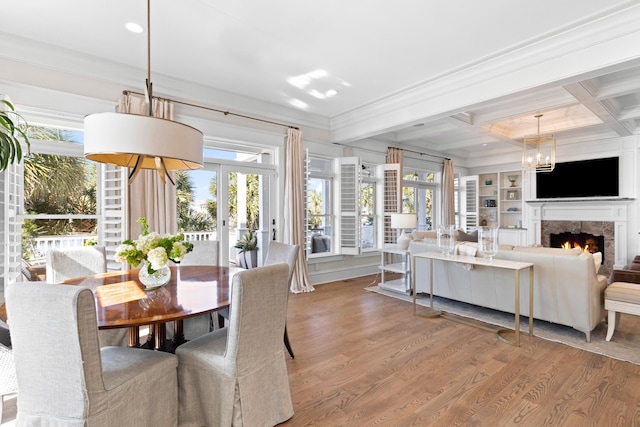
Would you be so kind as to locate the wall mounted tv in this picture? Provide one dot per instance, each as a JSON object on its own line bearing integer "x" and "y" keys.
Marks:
{"x": 586, "y": 178}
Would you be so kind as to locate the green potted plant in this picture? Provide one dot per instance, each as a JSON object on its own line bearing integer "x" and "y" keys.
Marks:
{"x": 248, "y": 253}
{"x": 10, "y": 147}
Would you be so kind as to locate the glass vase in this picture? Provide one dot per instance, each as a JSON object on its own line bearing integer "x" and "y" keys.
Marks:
{"x": 488, "y": 241}
{"x": 156, "y": 279}
{"x": 446, "y": 239}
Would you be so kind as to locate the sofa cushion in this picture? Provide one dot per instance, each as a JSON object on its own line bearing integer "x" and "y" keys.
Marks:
{"x": 419, "y": 235}
{"x": 467, "y": 237}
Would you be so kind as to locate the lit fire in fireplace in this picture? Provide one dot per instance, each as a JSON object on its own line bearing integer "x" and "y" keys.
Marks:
{"x": 567, "y": 245}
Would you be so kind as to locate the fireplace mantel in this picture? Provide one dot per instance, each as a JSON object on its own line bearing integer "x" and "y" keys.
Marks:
{"x": 614, "y": 210}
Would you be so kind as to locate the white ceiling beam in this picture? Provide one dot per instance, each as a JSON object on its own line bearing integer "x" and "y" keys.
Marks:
{"x": 584, "y": 95}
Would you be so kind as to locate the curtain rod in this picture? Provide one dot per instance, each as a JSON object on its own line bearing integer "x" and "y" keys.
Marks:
{"x": 425, "y": 154}
{"x": 382, "y": 152}
{"x": 226, "y": 113}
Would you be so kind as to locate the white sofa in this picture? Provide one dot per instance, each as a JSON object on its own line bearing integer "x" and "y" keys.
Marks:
{"x": 567, "y": 289}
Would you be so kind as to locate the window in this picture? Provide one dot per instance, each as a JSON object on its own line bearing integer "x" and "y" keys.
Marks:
{"x": 320, "y": 217}
{"x": 60, "y": 194}
{"x": 418, "y": 196}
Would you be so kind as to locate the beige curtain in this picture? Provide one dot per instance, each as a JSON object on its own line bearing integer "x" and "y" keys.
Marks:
{"x": 294, "y": 205}
{"x": 149, "y": 197}
{"x": 448, "y": 205}
{"x": 395, "y": 155}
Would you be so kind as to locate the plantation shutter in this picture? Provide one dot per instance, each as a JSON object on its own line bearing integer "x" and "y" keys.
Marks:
{"x": 114, "y": 219}
{"x": 391, "y": 197}
{"x": 305, "y": 195}
{"x": 12, "y": 187}
{"x": 469, "y": 198}
{"x": 348, "y": 205}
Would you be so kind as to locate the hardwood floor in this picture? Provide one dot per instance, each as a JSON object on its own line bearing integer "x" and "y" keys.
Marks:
{"x": 363, "y": 359}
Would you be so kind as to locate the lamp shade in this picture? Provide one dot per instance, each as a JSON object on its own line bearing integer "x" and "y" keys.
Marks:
{"x": 120, "y": 139}
{"x": 404, "y": 220}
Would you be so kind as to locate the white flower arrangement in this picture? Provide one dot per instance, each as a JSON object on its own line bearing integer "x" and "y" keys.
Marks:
{"x": 153, "y": 248}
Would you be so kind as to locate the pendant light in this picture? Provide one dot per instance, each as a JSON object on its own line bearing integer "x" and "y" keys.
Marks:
{"x": 143, "y": 141}
{"x": 539, "y": 151}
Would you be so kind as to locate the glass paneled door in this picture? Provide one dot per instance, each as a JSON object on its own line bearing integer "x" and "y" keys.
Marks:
{"x": 244, "y": 199}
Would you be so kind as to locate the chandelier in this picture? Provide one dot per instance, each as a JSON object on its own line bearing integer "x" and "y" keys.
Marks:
{"x": 539, "y": 151}
{"x": 142, "y": 141}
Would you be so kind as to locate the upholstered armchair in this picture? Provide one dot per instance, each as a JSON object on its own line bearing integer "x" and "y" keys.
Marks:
{"x": 238, "y": 375}
{"x": 631, "y": 274}
{"x": 65, "y": 378}
{"x": 69, "y": 263}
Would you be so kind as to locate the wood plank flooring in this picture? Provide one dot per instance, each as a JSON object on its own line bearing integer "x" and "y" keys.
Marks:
{"x": 363, "y": 359}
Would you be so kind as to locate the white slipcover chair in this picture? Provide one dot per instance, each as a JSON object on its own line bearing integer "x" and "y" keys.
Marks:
{"x": 66, "y": 379}
{"x": 278, "y": 252}
{"x": 205, "y": 252}
{"x": 238, "y": 375}
{"x": 69, "y": 263}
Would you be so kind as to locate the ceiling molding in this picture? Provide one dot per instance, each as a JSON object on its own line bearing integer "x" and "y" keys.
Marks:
{"x": 609, "y": 41}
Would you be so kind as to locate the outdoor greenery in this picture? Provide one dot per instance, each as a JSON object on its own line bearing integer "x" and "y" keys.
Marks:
{"x": 188, "y": 218}
{"x": 56, "y": 185}
{"x": 248, "y": 242}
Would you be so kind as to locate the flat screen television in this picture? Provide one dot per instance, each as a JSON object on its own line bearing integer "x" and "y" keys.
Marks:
{"x": 585, "y": 178}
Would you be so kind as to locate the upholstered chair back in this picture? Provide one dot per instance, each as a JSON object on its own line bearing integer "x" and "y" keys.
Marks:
{"x": 282, "y": 252}
{"x": 55, "y": 344}
{"x": 69, "y": 263}
{"x": 238, "y": 375}
{"x": 205, "y": 252}
{"x": 65, "y": 378}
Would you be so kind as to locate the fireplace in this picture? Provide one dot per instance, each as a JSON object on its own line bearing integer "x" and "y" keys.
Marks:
{"x": 586, "y": 242}
{"x": 598, "y": 235}
{"x": 608, "y": 218}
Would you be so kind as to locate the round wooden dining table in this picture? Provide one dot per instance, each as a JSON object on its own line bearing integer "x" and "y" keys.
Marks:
{"x": 123, "y": 302}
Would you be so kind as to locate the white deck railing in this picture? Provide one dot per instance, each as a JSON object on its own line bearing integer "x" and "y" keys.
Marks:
{"x": 43, "y": 244}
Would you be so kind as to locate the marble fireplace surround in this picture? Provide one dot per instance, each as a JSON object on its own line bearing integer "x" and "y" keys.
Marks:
{"x": 607, "y": 217}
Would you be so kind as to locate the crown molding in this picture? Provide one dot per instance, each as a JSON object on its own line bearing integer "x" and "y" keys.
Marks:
{"x": 584, "y": 51}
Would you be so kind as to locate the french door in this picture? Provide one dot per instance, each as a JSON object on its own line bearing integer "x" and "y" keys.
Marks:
{"x": 244, "y": 199}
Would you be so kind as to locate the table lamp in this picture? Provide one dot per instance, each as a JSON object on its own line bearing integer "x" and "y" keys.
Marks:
{"x": 402, "y": 222}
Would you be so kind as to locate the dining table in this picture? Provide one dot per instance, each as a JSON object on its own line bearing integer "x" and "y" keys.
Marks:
{"x": 123, "y": 302}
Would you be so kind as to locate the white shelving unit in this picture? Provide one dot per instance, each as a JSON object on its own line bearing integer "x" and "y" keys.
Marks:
{"x": 395, "y": 260}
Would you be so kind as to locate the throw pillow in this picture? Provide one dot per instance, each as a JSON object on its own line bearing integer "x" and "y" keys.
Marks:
{"x": 467, "y": 237}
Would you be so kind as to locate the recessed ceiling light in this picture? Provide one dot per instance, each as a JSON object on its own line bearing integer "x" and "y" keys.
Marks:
{"x": 330, "y": 93}
{"x": 133, "y": 27}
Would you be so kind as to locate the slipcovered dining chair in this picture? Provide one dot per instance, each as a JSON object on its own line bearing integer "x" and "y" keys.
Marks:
{"x": 238, "y": 375}
{"x": 69, "y": 263}
{"x": 65, "y": 378}
{"x": 205, "y": 252}
{"x": 278, "y": 252}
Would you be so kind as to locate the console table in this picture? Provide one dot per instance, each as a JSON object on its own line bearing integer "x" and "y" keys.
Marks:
{"x": 517, "y": 267}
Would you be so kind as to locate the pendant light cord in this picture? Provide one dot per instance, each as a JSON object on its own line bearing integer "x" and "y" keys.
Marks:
{"x": 149, "y": 85}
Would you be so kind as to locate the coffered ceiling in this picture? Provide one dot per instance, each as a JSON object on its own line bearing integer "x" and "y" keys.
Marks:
{"x": 459, "y": 77}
